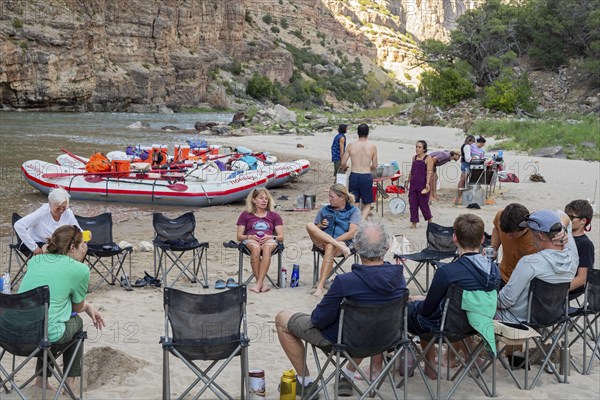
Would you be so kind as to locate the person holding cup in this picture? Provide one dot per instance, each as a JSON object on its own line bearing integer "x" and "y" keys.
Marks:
{"x": 333, "y": 230}
{"x": 260, "y": 228}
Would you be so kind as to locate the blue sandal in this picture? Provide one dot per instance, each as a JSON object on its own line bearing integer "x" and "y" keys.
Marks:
{"x": 231, "y": 283}
{"x": 220, "y": 284}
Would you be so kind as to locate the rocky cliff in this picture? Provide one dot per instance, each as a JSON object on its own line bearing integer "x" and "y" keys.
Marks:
{"x": 153, "y": 55}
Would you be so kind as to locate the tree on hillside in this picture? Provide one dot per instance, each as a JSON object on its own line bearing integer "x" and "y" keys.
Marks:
{"x": 484, "y": 36}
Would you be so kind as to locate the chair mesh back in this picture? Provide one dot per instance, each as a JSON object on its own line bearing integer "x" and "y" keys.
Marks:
{"x": 370, "y": 329}
{"x": 593, "y": 290}
{"x": 456, "y": 322}
{"x": 547, "y": 302}
{"x": 207, "y": 326}
{"x": 180, "y": 228}
{"x": 100, "y": 226}
{"x": 22, "y": 319}
{"x": 15, "y": 218}
{"x": 439, "y": 238}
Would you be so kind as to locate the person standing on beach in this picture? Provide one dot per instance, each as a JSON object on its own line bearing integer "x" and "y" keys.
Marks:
{"x": 440, "y": 157}
{"x": 338, "y": 148}
{"x": 363, "y": 159}
{"x": 465, "y": 159}
{"x": 417, "y": 183}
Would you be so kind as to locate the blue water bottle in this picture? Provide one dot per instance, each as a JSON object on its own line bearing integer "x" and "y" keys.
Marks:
{"x": 295, "y": 279}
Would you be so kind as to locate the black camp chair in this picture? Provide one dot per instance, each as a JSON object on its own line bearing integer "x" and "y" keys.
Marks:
{"x": 209, "y": 328}
{"x": 455, "y": 327}
{"x": 586, "y": 320}
{"x": 19, "y": 253}
{"x": 244, "y": 251}
{"x": 548, "y": 315}
{"x": 173, "y": 238}
{"x": 103, "y": 247}
{"x": 24, "y": 333}
{"x": 440, "y": 246}
{"x": 365, "y": 330}
{"x": 338, "y": 263}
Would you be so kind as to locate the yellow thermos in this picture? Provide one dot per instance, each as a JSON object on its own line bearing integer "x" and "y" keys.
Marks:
{"x": 287, "y": 387}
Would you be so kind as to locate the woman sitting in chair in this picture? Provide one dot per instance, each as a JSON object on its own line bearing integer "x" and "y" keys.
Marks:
{"x": 334, "y": 229}
{"x": 67, "y": 277}
{"x": 260, "y": 228}
{"x": 35, "y": 228}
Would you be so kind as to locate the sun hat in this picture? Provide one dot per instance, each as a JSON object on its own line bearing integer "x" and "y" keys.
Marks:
{"x": 542, "y": 221}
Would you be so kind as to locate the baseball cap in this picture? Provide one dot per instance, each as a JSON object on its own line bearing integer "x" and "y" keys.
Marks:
{"x": 542, "y": 221}
{"x": 343, "y": 128}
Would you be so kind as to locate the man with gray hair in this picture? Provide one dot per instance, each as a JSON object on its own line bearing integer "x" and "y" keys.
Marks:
{"x": 371, "y": 281}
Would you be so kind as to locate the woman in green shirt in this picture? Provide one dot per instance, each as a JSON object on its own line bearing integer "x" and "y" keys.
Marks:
{"x": 62, "y": 270}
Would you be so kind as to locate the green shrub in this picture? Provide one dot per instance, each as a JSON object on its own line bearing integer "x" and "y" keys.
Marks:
{"x": 284, "y": 23}
{"x": 297, "y": 33}
{"x": 509, "y": 92}
{"x": 267, "y": 19}
{"x": 259, "y": 87}
{"x": 275, "y": 29}
{"x": 248, "y": 17}
{"x": 17, "y": 23}
{"x": 448, "y": 85}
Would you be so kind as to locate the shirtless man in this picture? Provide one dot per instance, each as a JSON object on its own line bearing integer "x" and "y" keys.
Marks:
{"x": 363, "y": 159}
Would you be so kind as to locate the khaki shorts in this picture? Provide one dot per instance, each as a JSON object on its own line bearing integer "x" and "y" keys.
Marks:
{"x": 302, "y": 327}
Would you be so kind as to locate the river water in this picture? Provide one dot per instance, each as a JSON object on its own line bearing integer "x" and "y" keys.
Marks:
{"x": 26, "y": 135}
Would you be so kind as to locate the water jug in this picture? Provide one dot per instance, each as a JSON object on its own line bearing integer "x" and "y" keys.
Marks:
{"x": 287, "y": 387}
{"x": 283, "y": 278}
{"x": 294, "y": 280}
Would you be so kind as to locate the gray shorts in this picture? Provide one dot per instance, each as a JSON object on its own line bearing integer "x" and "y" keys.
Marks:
{"x": 301, "y": 326}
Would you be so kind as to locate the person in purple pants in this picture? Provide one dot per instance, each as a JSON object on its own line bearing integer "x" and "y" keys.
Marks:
{"x": 418, "y": 184}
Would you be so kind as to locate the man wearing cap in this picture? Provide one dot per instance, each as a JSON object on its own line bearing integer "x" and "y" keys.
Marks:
{"x": 338, "y": 148}
{"x": 552, "y": 263}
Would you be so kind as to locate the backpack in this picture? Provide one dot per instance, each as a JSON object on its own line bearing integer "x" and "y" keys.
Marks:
{"x": 98, "y": 163}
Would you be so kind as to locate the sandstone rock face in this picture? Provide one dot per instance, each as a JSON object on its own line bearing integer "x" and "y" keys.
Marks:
{"x": 156, "y": 56}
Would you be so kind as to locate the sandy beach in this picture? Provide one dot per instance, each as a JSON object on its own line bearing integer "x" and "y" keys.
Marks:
{"x": 124, "y": 361}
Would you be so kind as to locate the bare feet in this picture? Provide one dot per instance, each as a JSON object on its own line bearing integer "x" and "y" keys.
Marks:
{"x": 413, "y": 225}
{"x": 255, "y": 289}
{"x": 49, "y": 386}
{"x": 432, "y": 197}
{"x": 345, "y": 250}
{"x": 431, "y": 374}
{"x": 265, "y": 288}
{"x": 317, "y": 292}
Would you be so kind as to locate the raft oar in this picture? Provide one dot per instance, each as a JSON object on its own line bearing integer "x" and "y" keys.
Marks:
{"x": 176, "y": 187}
{"x": 81, "y": 160}
{"x": 52, "y": 175}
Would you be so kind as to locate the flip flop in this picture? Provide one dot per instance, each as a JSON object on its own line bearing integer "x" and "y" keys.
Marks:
{"x": 140, "y": 283}
{"x": 220, "y": 284}
{"x": 231, "y": 283}
{"x": 232, "y": 244}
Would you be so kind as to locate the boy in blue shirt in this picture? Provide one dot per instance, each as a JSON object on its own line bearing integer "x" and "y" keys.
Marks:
{"x": 338, "y": 147}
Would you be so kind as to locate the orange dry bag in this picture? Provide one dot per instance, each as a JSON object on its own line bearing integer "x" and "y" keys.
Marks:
{"x": 97, "y": 163}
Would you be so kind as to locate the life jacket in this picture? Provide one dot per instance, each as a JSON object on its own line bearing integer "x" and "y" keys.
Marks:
{"x": 339, "y": 220}
{"x": 98, "y": 163}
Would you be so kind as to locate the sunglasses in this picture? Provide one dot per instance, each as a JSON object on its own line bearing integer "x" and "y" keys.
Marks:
{"x": 572, "y": 217}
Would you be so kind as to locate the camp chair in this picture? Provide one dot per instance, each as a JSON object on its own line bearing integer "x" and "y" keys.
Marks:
{"x": 206, "y": 327}
{"x": 365, "y": 330}
{"x": 102, "y": 247}
{"x": 455, "y": 327}
{"x": 547, "y": 313}
{"x": 24, "y": 333}
{"x": 20, "y": 257}
{"x": 338, "y": 263}
{"x": 585, "y": 321}
{"x": 172, "y": 239}
{"x": 244, "y": 250}
{"x": 440, "y": 246}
